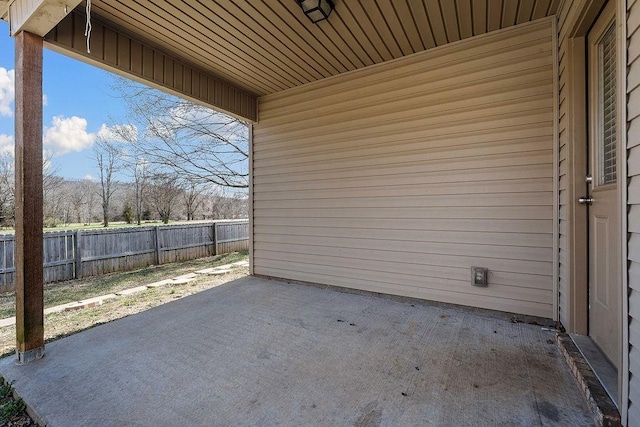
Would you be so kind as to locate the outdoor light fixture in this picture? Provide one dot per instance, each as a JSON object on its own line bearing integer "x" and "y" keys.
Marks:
{"x": 316, "y": 10}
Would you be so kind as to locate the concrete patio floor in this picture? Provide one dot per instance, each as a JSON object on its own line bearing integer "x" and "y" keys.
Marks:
{"x": 258, "y": 352}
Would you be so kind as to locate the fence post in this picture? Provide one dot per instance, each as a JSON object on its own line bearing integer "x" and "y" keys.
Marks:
{"x": 78, "y": 253}
{"x": 215, "y": 238}
{"x": 157, "y": 229}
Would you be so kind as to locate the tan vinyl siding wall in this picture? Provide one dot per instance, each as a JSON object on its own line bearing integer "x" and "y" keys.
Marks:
{"x": 399, "y": 177}
{"x": 564, "y": 196}
{"x": 633, "y": 170}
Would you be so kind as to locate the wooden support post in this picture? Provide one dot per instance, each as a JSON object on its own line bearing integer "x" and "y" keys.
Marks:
{"x": 28, "y": 198}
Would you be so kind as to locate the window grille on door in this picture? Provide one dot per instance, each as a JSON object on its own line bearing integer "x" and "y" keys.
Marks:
{"x": 607, "y": 107}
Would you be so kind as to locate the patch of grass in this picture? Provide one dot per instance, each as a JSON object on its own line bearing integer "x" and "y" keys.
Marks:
{"x": 12, "y": 411}
{"x": 6, "y": 390}
{"x": 76, "y": 290}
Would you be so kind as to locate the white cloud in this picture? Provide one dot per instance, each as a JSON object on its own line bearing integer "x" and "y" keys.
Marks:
{"x": 7, "y": 91}
{"x": 67, "y": 134}
{"x": 89, "y": 177}
{"x": 7, "y": 145}
{"x": 8, "y": 94}
{"x": 118, "y": 133}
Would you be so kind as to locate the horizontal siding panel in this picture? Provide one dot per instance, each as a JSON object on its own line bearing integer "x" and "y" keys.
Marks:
{"x": 475, "y": 225}
{"x": 471, "y": 200}
{"x": 633, "y": 53}
{"x": 495, "y": 213}
{"x": 634, "y": 390}
{"x": 523, "y": 186}
{"x": 634, "y": 416}
{"x": 634, "y": 276}
{"x": 435, "y": 294}
{"x": 633, "y": 216}
{"x": 414, "y": 275}
{"x": 329, "y": 255}
{"x": 479, "y": 238}
{"x": 457, "y": 249}
{"x": 634, "y": 129}
{"x": 633, "y": 199}
{"x": 473, "y": 149}
{"x": 634, "y": 247}
{"x": 563, "y": 186}
{"x": 384, "y": 278}
{"x": 438, "y": 146}
{"x": 464, "y": 112}
{"x": 461, "y": 176}
{"x": 434, "y": 135}
{"x": 379, "y": 279}
{"x": 532, "y": 108}
{"x": 406, "y": 167}
{"x": 634, "y": 358}
{"x": 634, "y": 310}
{"x": 398, "y": 178}
{"x": 634, "y": 161}
{"x": 446, "y": 94}
{"x": 634, "y": 190}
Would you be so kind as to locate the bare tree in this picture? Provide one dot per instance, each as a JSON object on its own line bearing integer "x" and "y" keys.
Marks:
{"x": 164, "y": 189}
{"x": 50, "y": 178}
{"x": 193, "y": 141}
{"x": 55, "y": 200}
{"x": 80, "y": 194}
{"x": 108, "y": 159}
{"x": 139, "y": 169}
{"x": 192, "y": 195}
{"x": 7, "y": 188}
{"x": 88, "y": 213}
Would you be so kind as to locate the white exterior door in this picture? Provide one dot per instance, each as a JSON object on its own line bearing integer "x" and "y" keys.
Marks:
{"x": 604, "y": 181}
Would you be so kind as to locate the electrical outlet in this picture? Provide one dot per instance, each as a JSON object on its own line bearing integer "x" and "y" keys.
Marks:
{"x": 480, "y": 276}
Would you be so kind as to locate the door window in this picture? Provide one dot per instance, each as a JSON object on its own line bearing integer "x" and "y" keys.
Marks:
{"x": 606, "y": 138}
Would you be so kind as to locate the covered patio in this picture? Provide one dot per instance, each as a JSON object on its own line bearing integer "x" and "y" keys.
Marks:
{"x": 478, "y": 152}
{"x": 266, "y": 352}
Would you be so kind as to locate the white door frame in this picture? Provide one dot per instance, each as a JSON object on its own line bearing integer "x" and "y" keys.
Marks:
{"x": 577, "y": 120}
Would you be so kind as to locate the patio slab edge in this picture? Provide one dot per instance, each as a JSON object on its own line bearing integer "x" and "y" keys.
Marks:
{"x": 604, "y": 410}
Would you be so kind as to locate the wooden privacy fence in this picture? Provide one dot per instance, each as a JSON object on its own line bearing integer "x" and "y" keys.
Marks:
{"x": 81, "y": 253}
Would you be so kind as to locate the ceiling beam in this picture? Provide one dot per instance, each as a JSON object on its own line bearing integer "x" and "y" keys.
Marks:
{"x": 128, "y": 56}
{"x": 37, "y": 16}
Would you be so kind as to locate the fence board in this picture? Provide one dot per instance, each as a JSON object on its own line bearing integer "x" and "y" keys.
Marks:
{"x": 232, "y": 237}
{"x": 179, "y": 243}
{"x": 72, "y": 254}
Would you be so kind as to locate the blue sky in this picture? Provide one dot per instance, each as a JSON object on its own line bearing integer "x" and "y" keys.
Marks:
{"x": 78, "y": 104}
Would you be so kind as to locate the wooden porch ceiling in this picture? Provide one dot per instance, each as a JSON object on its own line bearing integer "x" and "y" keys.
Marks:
{"x": 266, "y": 46}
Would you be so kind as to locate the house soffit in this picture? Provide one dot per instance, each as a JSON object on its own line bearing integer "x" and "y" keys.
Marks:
{"x": 266, "y": 46}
